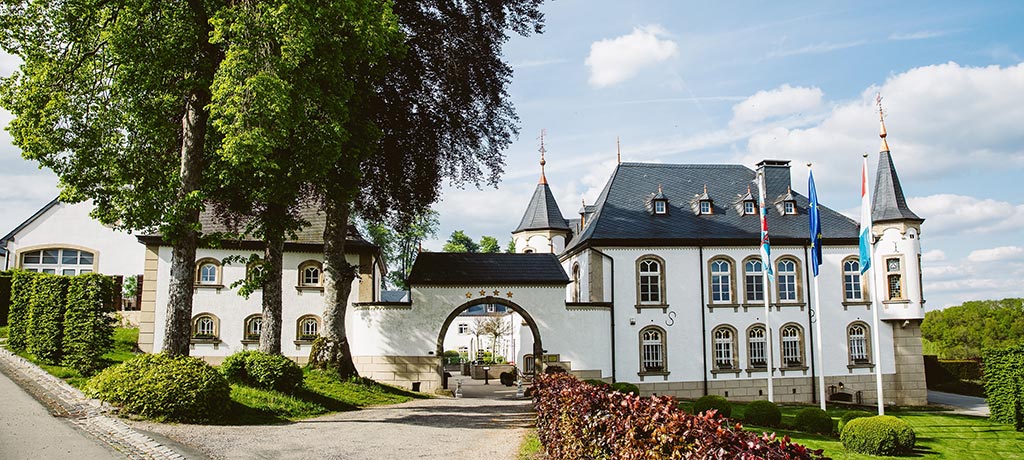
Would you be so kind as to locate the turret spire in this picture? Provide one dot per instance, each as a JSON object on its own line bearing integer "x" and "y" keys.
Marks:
{"x": 618, "y": 150}
{"x": 543, "y": 178}
{"x": 881, "y": 120}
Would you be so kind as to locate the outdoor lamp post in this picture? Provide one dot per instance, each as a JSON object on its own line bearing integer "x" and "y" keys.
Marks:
{"x": 486, "y": 375}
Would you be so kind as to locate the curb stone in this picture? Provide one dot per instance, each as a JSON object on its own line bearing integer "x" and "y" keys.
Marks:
{"x": 90, "y": 415}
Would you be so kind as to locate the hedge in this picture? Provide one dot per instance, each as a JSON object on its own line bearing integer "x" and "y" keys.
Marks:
{"x": 626, "y": 387}
{"x": 5, "y": 296}
{"x": 1004, "y": 384}
{"x": 262, "y": 370}
{"x": 21, "y": 299}
{"x": 46, "y": 318}
{"x": 850, "y": 416}
{"x": 762, "y": 413}
{"x": 878, "y": 435}
{"x": 576, "y": 422}
{"x": 814, "y": 420}
{"x": 716, "y": 402}
{"x": 88, "y": 325}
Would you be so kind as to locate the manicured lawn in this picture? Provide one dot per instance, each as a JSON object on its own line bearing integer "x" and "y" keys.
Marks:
{"x": 530, "y": 448}
{"x": 125, "y": 348}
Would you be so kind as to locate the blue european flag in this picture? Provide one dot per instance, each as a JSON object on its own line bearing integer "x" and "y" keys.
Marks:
{"x": 815, "y": 223}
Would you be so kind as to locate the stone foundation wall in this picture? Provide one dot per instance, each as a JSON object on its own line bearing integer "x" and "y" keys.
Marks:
{"x": 911, "y": 389}
{"x": 787, "y": 389}
{"x": 401, "y": 371}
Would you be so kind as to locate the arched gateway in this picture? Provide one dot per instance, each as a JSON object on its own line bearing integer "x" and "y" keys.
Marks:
{"x": 538, "y": 348}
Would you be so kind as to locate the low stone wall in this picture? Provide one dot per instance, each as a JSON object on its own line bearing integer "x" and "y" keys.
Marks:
{"x": 477, "y": 371}
{"x": 402, "y": 371}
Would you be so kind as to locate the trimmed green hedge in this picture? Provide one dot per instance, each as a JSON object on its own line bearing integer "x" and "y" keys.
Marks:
{"x": 850, "y": 416}
{"x": 5, "y": 296}
{"x": 878, "y": 435}
{"x": 46, "y": 318}
{"x": 762, "y": 413}
{"x": 262, "y": 370}
{"x": 21, "y": 304}
{"x": 88, "y": 325}
{"x": 179, "y": 389}
{"x": 719, "y": 403}
{"x": 1004, "y": 384}
{"x": 626, "y": 387}
{"x": 814, "y": 420}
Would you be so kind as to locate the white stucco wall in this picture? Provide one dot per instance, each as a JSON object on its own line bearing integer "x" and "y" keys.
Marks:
{"x": 69, "y": 225}
{"x": 905, "y": 246}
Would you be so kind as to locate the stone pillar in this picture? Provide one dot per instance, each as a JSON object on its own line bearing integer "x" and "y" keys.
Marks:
{"x": 910, "y": 382}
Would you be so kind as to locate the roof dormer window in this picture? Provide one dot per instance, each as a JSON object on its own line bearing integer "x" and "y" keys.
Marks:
{"x": 705, "y": 207}
{"x": 658, "y": 203}
{"x": 659, "y": 206}
{"x": 786, "y": 204}
{"x": 745, "y": 203}
{"x": 789, "y": 207}
{"x": 702, "y": 203}
{"x": 749, "y": 208}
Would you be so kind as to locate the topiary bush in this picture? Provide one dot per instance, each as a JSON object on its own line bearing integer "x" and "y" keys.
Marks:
{"x": 88, "y": 326}
{"x": 262, "y": 370}
{"x": 626, "y": 387}
{"x": 814, "y": 420}
{"x": 878, "y": 435}
{"x": 719, "y": 403}
{"x": 1004, "y": 384}
{"x": 21, "y": 302}
{"x": 850, "y": 416}
{"x": 762, "y": 413}
{"x": 178, "y": 389}
{"x": 46, "y": 318}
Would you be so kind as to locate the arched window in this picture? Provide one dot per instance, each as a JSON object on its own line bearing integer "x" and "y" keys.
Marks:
{"x": 858, "y": 340}
{"x": 253, "y": 327}
{"x": 894, "y": 277}
{"x": 58, "y": 261}
{"x": 788, "y": 276}
{"x": 792, "y": 346}
{"x": 311, "y": 274}
{"x": 254, "y": 271}
{"x": 528, "y": 364}
{"x": 308, "y": 328}
{"x": 721, "y": 280}
{"x": 757, "y": 343}
{"x": 652, "y": 350}
{"x": 852, "y": 290}
{"x": 724, "y": 347}
{"x": 205, "y": 327}
{"x": 208, "y": 272}
{"x": 650, "y": 274}
{"x": 576, "y": 282}
{"x": 753, "y": 280}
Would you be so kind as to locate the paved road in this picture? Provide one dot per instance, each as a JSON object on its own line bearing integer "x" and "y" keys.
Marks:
{"x": 441, "y": 429}
{"x": 967, "y": 405}
{"x": 28, "y": 431}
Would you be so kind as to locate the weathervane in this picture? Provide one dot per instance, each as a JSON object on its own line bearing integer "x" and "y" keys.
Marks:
{"x": 881, "y": 121}
{"x": 618, "y": 149}
{"x": 543, "y": 178}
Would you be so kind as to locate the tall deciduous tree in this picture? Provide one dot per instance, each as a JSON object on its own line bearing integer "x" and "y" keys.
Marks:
{"x": 965, "y": 330}
{"x": 441, "y": 111}
{"x": 113, "y": 96}
{"x": 400, "y": 246}
{"x": 460, "y": 242}
{"x": 489, "y": 244}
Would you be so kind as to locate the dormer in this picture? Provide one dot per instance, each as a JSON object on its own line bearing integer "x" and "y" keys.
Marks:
{"x": 786, "y": 204}
{"x": 745, "y": 204}
{"x": 659, "y": 203}
{"x": 702, "y": 203}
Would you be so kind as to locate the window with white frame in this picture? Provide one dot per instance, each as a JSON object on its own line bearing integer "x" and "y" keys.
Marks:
{"x": 721, "y": 281}
{"x": 724, "y": 347}
{"x": 464, "y": 352}
{"x": 204, "y": 327}
{"x": 659, "y": 206}
{"x": 253, "y": 327}
{"x": 308, "y": 328}
{"x": 463, "y": 328}
{"x": 749, "y": 208}
{"x": 753, "y": 280}
{"x": 652, "y": 350}
{"x": 787, "y": 277}
{"x": 858, "y": 341}
{"x": 852, "y": 291}
{"x": 58, "y": 261}
{"x": 649, "y": 279}
{"x": 789, "y": 207}
{"x": 576, "y": 282}
{"x": 756, "y": 345}
{"x": 310, "y": 274}
{"x": 705, "y": 207}
{"x": 208, "y": 272}
{"x": 792, "y": 346}
{"x": 894, "y": 278}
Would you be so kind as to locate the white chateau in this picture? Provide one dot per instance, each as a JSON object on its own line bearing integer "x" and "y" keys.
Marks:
{"x": 657, "y": 283}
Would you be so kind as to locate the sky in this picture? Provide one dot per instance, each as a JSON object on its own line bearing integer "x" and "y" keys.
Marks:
{"x": 738, "y": 82}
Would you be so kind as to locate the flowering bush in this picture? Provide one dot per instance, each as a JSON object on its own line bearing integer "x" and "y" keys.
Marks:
{"x": 575, "y": 422}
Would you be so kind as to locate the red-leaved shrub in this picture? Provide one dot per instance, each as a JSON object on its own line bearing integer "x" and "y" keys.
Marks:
{"x": 576, "y": 422}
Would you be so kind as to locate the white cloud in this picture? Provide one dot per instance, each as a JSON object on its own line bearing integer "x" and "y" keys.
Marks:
{"x": 950, "y": 214}
{"x": 935, "y": 255}
{"x": 618, "y": 59}
{"x": 920, "y": 35}
{"x": 1002, "y": 253}
{"x": 784, "y": 100}
{"x": 818, "y": 48}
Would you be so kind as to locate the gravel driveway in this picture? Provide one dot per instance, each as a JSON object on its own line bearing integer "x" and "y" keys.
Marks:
{"x": 442, "y": 429}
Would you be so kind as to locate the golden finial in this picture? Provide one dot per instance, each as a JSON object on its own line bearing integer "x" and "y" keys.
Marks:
{"x": 659, "y": 188}
{"x": 618, "y": 149}
{"x": 543, "y": 178}
{"x": 881, "y": 121}
{"x": 705, "y": 189}
{"x": 748, "y": 189}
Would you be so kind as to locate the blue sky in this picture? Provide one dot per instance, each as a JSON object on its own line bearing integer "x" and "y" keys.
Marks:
{"x": 737, "y": 82}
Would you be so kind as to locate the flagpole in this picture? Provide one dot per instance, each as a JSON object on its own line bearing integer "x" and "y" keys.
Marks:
{"x": 878, "y": 349}
{"x": 821, "y": 358}
{"x": 866, "y": 254}
{"x": 816, "y": 241}
{"x": 766, "y": 266}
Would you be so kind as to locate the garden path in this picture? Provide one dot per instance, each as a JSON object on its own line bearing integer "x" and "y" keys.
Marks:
{"x": 967, "y": 405}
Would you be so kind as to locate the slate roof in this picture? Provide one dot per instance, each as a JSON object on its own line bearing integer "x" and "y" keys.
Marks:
{"x": 622, "y": 219}
{"x": 542, "y": 213}
{"x": 888, "y": 202}
{"x": 394, "y": 296}
{"x": 442, "y": 268}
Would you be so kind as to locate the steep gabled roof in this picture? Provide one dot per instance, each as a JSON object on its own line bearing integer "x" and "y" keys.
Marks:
{"x": 621, "y": 217}
{"x": 888, "y": 202}
{"x": 542, "y": 213}
{"x": 475, "y": 268}
{"x": 10, "y": 235}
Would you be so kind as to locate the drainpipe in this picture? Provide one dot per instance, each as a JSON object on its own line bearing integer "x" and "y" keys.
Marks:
{"x": 703, "y": 326}
{"x": 614, "y": 375}
{"x": 810, "y": 327}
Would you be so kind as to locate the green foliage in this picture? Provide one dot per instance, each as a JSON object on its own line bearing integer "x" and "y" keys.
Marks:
{"x": 814, "y": 420}
{"x": 400, "y": 245}
{"x": 460, "y": 242}
{"x": 21, "y": 304}
{"x": 179, "y": 389}
{"x": 1004, "y": 384}
{"x": 5, "y": 331}
{"x": 511, "y": 248}
{"x": 850, "y": 416}
{"x": 626, "y": 387}
{"x": 262, "y": 370}
{"x": 88, "y": 326}
{"x": 878, "y": 435}
{"x": 489, "y": 244}
{"x": 5, "y": 296}
{"x": 598, "y": 383}
{"x": 964, "y": 331}
{"x": 763, "y": 413}
{"x": 719, "y": 403}
{"x": 46, "y": 318}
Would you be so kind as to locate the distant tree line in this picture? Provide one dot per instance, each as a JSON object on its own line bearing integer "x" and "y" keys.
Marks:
{"x": 965, "y": 330}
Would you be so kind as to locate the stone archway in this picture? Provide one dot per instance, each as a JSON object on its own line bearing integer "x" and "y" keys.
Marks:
{"x": 538, "y": 348}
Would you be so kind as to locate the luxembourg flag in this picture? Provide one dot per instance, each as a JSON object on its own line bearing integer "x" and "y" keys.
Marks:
{"x": 865, "y": 219}
{"x": 766, "y": 250}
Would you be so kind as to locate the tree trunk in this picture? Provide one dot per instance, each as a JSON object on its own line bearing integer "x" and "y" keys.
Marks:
{"x": 185, "y": 238}
{"x": 331, "y": 349}
{"x": 270, "y": 335}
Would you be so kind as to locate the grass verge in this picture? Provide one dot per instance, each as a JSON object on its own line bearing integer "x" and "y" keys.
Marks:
{"x": 4, "y": 331}
{"x": 530, "y": 448}
{"x": 125, "y": 348}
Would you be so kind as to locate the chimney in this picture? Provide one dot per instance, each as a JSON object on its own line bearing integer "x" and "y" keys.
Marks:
{"x": 776, "y": 177}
